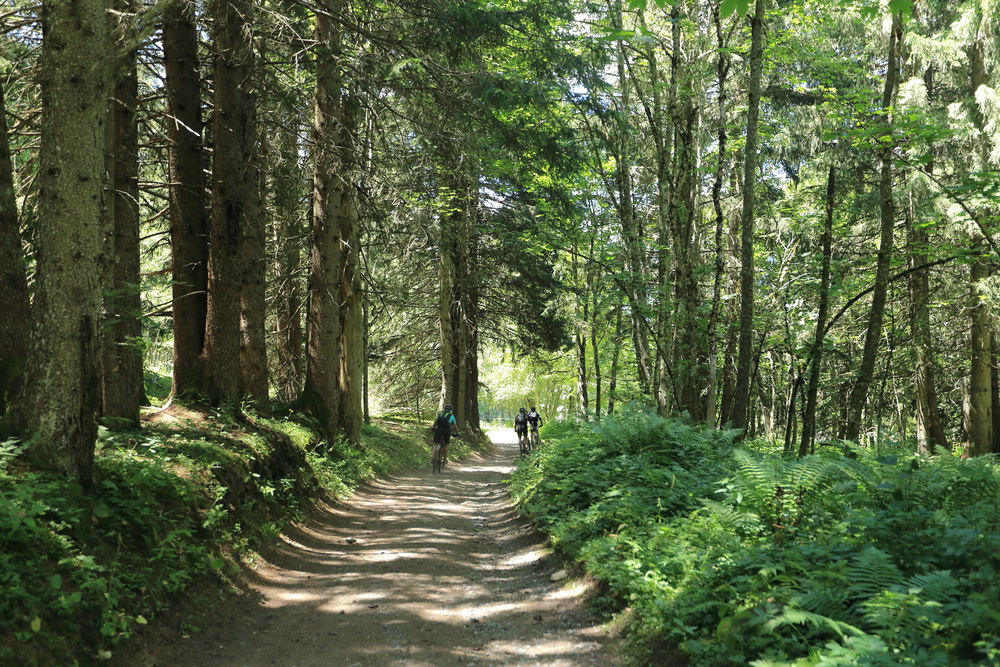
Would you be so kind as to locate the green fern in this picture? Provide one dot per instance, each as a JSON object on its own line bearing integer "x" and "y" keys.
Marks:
{"x": 872, "y": 573}
{"x": 793, "y": 616}
{"x": 731, "y": 517}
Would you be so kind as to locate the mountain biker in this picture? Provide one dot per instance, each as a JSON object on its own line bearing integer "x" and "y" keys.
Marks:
{"x": 534, "y": 421}
{"x": 443, "y": 425}
{"x": 521, "y": 425}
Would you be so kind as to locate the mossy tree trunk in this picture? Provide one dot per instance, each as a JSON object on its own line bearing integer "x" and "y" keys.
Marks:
{"x": 60, "y": 401}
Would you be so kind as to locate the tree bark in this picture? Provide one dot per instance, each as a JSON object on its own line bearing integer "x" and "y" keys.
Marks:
{"x": 352, "y": 295}
{"x": 123, "y": 387}
{"x": 816, "y": 354}
{"x": 873, "y": 334}
{"x": 60, "y": 400}
{"x": 744, "y": 367}
{"x": 189, "y": 215}
{"x": 14, "y": 297}
{"x": 322, "y": 384}
{"x": 980, "y": 412}
{"x": 287, "y": 228}
{"x": 929, "y": 432}
{"x": 631, "y": 232}
{"x": 722, "y": 71}
{"x": 235, "y": 208}
{"x": 253, "y": 295}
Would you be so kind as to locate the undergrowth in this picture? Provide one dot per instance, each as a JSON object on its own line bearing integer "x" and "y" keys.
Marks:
{"x": 730, "y": 556}
{"x": 173, "y": 503}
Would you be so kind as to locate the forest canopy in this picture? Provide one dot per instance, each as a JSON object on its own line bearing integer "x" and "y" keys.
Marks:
{"x": 778, "y": 216}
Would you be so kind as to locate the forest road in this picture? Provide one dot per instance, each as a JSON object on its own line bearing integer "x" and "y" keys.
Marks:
{"x": 419, "y": 570}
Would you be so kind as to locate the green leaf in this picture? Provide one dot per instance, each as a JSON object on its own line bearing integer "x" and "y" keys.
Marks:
{"x": 36, "y": 624}
{"x": 55, "y": 581}
{"x": 730, "y": 7}
{"x": 216, "y": 564}
{"x": 102, "y": 511}
{"x": 140, "y": 620}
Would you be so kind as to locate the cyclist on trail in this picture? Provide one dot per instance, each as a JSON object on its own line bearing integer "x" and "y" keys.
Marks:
{"x": 443, "y": 425}
{"x": 521, "y": 425}
{"x": 534, "y": 420}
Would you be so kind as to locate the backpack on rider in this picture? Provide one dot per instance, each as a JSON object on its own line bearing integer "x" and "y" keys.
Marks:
{"x": 442, "y": 424}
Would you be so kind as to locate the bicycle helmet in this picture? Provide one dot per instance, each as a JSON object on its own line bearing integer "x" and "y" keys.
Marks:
{"x": 447, "y": 406}
{"x": 522, "y": 409}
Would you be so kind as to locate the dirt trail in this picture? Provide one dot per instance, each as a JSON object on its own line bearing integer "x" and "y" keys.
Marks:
{"x": 419, "y": 569}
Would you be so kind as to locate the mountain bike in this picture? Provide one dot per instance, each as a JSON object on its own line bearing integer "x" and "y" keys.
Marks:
{"x": 524, "y": 445}
{"x": 437, "y": 458}
{"x": 534, "y": 439}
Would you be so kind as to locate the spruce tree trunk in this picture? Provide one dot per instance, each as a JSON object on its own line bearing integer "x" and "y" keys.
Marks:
{"x": 352, "y": 296}
{"x": 14, "y": 298}
{"x": 287, "y": 229}
{"x": 253, "y": 296}
{"x": 873, "y": 334}
{"x": 235, "y": 208}
{"x": 60, "y": 400}
{"x": 189, "y": 215}
{"x": 745, "y": 364}
{"x": 123, "y": 386}
{"x": 322, "y": 384}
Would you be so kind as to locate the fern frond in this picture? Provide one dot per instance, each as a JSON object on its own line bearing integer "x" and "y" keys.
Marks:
{"x": 937, "y": 585}
{"x": 872, "y": 572}
{"x": 730, "y": 516}
{"x": 793, "y": 616}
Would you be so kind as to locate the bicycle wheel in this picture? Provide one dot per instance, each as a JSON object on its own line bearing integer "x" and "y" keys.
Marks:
{"x": 523, "y": 446}
{"x": 436, "y": 459}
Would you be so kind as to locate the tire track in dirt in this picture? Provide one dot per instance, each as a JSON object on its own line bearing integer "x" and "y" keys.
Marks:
{"x": 419, "y": 570}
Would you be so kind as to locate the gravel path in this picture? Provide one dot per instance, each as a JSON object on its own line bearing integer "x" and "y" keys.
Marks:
{"x": 419, "y": 569}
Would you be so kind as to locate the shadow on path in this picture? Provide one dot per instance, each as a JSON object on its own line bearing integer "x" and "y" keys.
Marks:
{"x": 418, "y": 569}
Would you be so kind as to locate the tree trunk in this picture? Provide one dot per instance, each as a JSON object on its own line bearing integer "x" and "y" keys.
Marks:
{"x": 322, "y": 385}
{"x": 352, "y": 296}
{"x": 14, "y": 298}
{"x": 929, "y": 432}
{"x": 594, "y": 347}
{"x": 816, "y": 354}
{"x": 616, "y": 351}
{"x": 123, "y": 388}
{"x": 188, "y": 212}
{"x": 744, "y": 367}
{"x": 253, "y": 295}
{"x": 60, "y": 400}
{"x": 980, "y": 413}
{"x": 635, "y": 266}
{"x": 873, "y": 333}
{"x": 722, "y": 71}
{"x": 287, "y": 229}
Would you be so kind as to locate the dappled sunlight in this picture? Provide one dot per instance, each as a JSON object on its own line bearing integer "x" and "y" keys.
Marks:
{"x": 418, "y": 570}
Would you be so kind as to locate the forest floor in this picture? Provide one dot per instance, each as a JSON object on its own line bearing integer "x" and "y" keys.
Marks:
{"x": 418, "y": 569}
